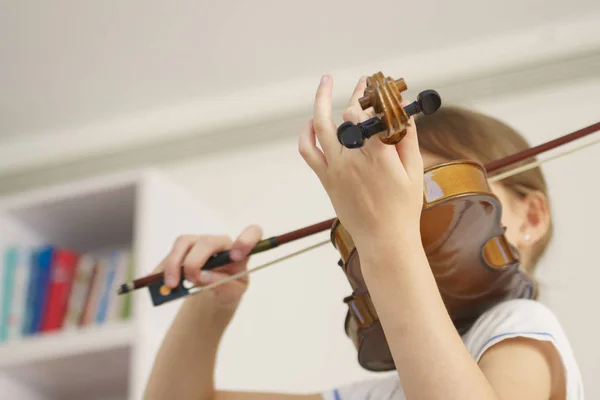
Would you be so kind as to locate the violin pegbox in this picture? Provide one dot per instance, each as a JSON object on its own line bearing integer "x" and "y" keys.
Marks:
{"x": 384, "y": 95}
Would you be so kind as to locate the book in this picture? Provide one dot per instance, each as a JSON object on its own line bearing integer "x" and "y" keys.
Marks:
{"x": 94, "y": 294}
{"x": 18, "y": 307}
{"x": 127, "y": 301}
{"x": 116, "y": 302}
{"x": 30, "y": 298}
{"x": 52, "y": 288}
{"x": 81, "y": 285}
{"x": 110, "y": 271}
{"x": 43, "y": 263}
{"x": 8, "y": 280}
{"x": 60, "y": 281}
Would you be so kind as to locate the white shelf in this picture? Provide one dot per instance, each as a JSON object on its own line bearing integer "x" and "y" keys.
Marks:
{"x": 90, "y": 363}
{"x": 60, "y": 345}
{"x": 142, "y": 211}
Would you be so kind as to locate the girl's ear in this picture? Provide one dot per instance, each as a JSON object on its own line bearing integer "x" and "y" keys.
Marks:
{"x": 536, "y": 219}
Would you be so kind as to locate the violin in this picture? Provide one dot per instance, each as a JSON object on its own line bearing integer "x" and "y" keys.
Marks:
{"x": 472, "y": 262}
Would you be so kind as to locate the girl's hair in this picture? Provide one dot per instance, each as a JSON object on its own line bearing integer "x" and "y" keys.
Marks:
{"x": 457, "y": 133}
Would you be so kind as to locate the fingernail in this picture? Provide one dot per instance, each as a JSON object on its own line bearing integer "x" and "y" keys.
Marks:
{"x": 204, "y": 276}
{"x": 324, "y": 79}
{"x": 236, "y": 255}
{"x": 171, "y": 281}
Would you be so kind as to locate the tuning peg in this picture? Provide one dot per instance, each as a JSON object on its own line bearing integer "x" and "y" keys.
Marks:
{"x": 428, "y": 102}
{"x": 353, "y": 136}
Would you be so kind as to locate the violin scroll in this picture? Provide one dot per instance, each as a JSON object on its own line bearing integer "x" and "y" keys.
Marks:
{"x": 391, "y": 120}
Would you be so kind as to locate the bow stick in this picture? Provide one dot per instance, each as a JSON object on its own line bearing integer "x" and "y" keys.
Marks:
{"x": 161, "y": 294}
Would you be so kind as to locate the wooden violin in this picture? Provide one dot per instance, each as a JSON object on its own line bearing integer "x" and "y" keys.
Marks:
{"x": 473, "y": 264}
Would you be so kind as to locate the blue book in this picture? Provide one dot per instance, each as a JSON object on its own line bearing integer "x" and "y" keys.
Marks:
{"x": 31, "y": 291}
{"x": 43, "y": 263}
{"x": 110, "y": 271}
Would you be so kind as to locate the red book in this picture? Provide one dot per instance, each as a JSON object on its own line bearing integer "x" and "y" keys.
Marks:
{"x": 62, "y": 274}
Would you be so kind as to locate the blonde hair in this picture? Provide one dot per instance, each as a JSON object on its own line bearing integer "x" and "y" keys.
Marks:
{"x": 457, "y": 133}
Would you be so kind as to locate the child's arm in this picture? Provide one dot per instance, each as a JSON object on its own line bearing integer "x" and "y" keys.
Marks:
{"x": 184, "y": 365}
{"x": 523, "y": 368}
{"x": 377, "y": 193}
{"x": 431, "y": 359}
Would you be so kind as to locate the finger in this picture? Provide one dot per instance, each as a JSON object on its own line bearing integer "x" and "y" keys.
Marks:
{"x": 359, "y": 91}
{"x": 409, "y": 151}
{"x": 322, "y": 121}
{"x": 245, "y": 242}
{"x": 202, "y": 250}
{"x": 171, "y": 265}
{"x": 307, "y": 147}
{"x": 355, "y": 115}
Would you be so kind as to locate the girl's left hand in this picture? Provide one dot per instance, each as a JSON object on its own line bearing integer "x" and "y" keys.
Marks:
{"x": 377, "y": 190}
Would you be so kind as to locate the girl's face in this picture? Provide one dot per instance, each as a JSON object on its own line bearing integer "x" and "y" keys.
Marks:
{"x": 526, "y": 218}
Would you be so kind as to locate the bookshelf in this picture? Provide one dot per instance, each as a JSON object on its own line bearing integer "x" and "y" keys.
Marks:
{"x": 142, "y": 211}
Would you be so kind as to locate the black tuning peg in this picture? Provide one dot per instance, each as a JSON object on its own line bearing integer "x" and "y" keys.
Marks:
{"x": 428, "y": 102}
{"x": 353, "y": 136}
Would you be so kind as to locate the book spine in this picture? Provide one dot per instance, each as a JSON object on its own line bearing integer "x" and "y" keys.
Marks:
{"x": 19, "y": 303}
{"x": 81, "y": 287}
{"x": 8, "y": 278}
{"x": 91, "y": 307}
{"x": 44, "y": 265}
{"x": 103, "y": 303}
{"x": 115, "y": 302}
{"x": 59, "y": 288}
{"x": 28, "y": 327}
{"x": 127, "y": 301}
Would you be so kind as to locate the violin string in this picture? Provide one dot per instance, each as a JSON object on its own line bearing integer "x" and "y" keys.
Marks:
{"x": 537, "y": 163}
{"x": 198, "y": 289}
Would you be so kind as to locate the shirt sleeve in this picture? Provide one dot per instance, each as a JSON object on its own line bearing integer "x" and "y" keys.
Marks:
{"x": 510, "y": 319}
{"x": 514, "y": 318}
{"x": 530, "y": 319}
{"x": 383, "y": 388}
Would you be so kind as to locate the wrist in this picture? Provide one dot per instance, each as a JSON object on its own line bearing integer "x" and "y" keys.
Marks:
{"x": 392, "y": 251}
{"x": 399, "y": 239}
{"x": 205, "y": 307}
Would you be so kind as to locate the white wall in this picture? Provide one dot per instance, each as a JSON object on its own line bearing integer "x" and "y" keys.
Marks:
{"x": 288, "y": 334}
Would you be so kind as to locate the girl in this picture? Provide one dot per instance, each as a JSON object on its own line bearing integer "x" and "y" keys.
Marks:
{"x": 516, "y": 350}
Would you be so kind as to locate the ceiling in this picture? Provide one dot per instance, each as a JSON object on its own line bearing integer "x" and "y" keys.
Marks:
{"x": 71, "y": 63}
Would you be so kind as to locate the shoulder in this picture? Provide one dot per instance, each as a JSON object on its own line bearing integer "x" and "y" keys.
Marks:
{"x": 515, "y": 318}
{"x": 510, "y": 319}
{"x": 530, "y": 319}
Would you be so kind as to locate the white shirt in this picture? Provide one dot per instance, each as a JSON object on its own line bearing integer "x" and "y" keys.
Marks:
{"x": 513, "y": 318}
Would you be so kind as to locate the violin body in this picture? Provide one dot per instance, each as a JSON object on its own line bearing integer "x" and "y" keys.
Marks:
{"x": 473, "y": 264}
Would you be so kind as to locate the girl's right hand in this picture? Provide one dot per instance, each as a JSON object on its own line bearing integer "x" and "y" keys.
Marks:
{"x": 192, "y": 251}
